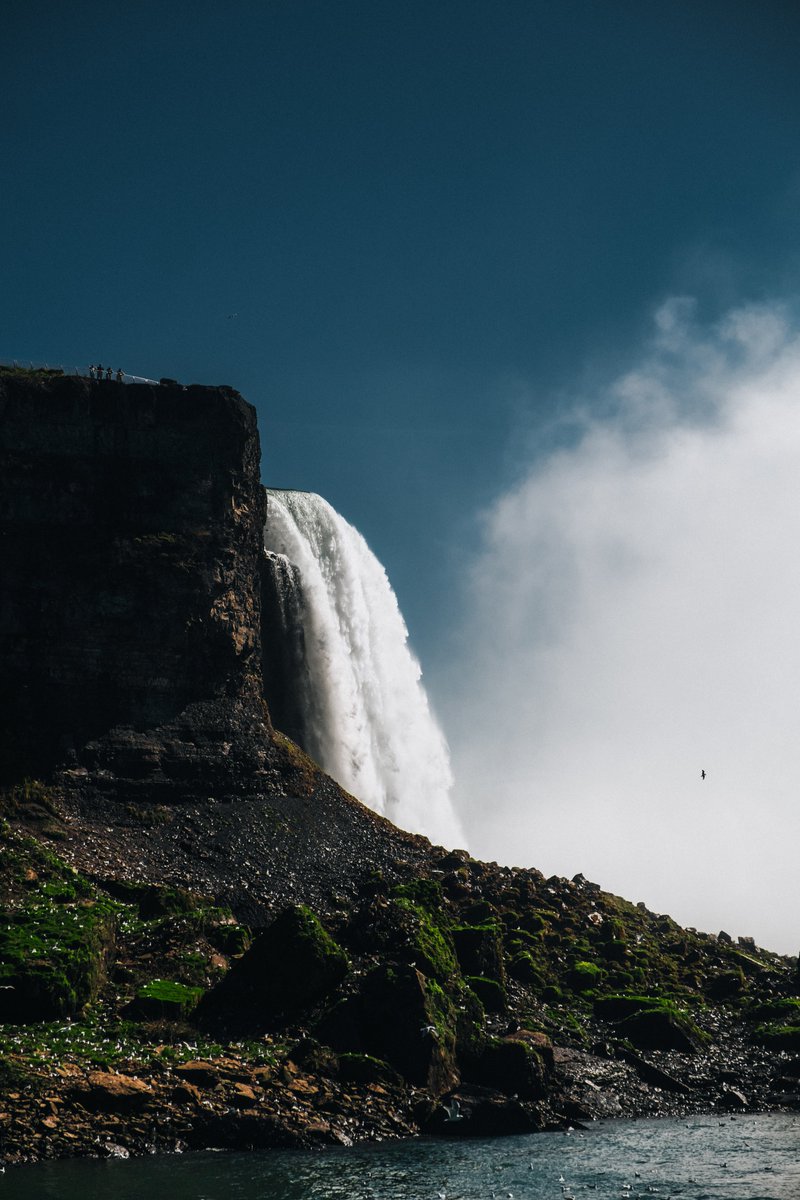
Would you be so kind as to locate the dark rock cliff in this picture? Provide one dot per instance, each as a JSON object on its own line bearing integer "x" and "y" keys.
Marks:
{"x": 131, "y": 523}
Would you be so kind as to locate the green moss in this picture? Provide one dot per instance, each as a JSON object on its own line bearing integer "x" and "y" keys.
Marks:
{"x": 584, "y": 976}
{"x": 290, "y": 966}
{"x": 779, "y": 1037}
{"x": 442, "y": 1015}
{"x": 490, "y": 993}
{"x": 424, "y": 892}
{"x": 427, "y": 936}
{"x": 617, "y": 1006}
{"x": 786, "y": 1010}
{"x": 364, "y": 1068}
{"x": 470, "y": 1024}
{"x": 53, "y": 957}
{"x": 165, "y": 998}
{"x": 523, "y": 968}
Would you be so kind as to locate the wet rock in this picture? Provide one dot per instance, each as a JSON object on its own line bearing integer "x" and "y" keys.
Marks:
{"x": 515, "y": 1065}
{"x": 473, "y": 1111}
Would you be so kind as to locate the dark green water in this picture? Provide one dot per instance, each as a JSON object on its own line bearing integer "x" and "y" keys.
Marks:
{"x": 704, "y": 1158}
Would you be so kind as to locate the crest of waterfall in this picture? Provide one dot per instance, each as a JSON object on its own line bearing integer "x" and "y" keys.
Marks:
{"x": 358, "y": 704}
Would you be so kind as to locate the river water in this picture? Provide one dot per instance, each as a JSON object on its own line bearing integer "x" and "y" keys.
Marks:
{"x": 702, "y": 1158}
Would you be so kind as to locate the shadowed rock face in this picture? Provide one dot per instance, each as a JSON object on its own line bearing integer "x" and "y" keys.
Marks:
{"x": 131, "y": 522}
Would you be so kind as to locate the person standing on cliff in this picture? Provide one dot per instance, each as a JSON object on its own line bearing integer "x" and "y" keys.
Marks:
{"x": 120, "y": 374}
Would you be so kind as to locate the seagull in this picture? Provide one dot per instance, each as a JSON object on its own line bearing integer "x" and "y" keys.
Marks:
{"x": 453, "y": 1110}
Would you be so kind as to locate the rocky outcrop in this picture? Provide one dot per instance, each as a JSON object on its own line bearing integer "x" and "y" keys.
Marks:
{"x": 131, "y": 521}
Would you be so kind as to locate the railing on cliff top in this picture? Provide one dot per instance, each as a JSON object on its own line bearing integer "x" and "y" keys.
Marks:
{"x": 21, "y": 365}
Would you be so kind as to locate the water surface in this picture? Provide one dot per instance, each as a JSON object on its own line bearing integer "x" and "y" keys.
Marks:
{"x": 702, "y": 1158}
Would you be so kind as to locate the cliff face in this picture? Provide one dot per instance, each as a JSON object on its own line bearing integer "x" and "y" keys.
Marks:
{"x": 131, "y": 521}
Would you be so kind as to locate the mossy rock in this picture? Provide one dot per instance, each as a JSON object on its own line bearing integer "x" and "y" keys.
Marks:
{"x": 401, "y": 1017}
{"x": 164, "y": 999}
{"x": 415, "y": 927}
{"x": 584, "y": 976}
{"x": 491, "y": 994}
{"x": 534, "y": 922}
{"x": 229, "y": 937}
{"x": 523, "y": 968}
{"x": 154, "y": 900}
{"x": 479, "y": 951}
{"x": 290, "y": 966}
{"x": 725, "y": 985}
{"x": 53, "y": 958}
{"x": 661, "y": 1029}
{"x": 364, "y": 1068}
{"x": 779, "y": 1037}
{"x": 613, "y": 951}
{"x": 785, "y": 1010}
{"x": 470, "y": 1024}
{"x": 478, "y": 913}
{"x": 617, "y": 1007}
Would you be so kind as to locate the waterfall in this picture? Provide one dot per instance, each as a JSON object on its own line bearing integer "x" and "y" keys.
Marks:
{"x": 363, "y": 711}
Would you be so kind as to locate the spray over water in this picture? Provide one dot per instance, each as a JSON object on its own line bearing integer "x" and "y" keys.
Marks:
{"x": 365, "y": 716}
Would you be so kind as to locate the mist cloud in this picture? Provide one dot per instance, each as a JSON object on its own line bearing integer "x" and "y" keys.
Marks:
{"x": 630, "y": 618}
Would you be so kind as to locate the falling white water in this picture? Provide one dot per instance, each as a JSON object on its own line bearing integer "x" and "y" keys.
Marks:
{"x": 366, "y": 716}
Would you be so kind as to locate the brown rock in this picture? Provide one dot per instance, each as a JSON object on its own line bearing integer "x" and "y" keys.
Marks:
{"x": 110, "y": 1092}
{"x": 187, "y": 1093}
{"x": 243, "y": 1096}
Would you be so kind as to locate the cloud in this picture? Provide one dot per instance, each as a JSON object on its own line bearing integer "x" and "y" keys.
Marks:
{"x": 630, "y": 618}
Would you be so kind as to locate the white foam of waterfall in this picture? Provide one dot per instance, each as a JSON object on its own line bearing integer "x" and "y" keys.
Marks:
{"x": 367, "y": 720}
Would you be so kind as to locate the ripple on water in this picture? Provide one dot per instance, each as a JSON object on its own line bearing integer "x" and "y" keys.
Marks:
{"x": 747, "y": 1158}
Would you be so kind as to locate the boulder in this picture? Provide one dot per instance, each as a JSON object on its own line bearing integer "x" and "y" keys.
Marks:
{"x": 402, "y": 1018}
{"x": 473, "y": 1111}
{"x": 491, "y": 994}
{"x": 165, "y": 1000}
{"x": 53, "y": 958}
{"x": 480, "y": 951}
{"x": 108, "y": 1092}
{"x": 660, "y": 1029}
{"x": 518, "y": 1065}
{"x": 292, "y": 965}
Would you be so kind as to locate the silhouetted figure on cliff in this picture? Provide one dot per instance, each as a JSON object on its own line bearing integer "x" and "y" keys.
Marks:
{"x": 702, "y": 774}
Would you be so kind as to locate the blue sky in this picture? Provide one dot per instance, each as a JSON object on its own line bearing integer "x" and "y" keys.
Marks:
{"x": 431, "y": 218}
{"x": 442, "y": 226}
